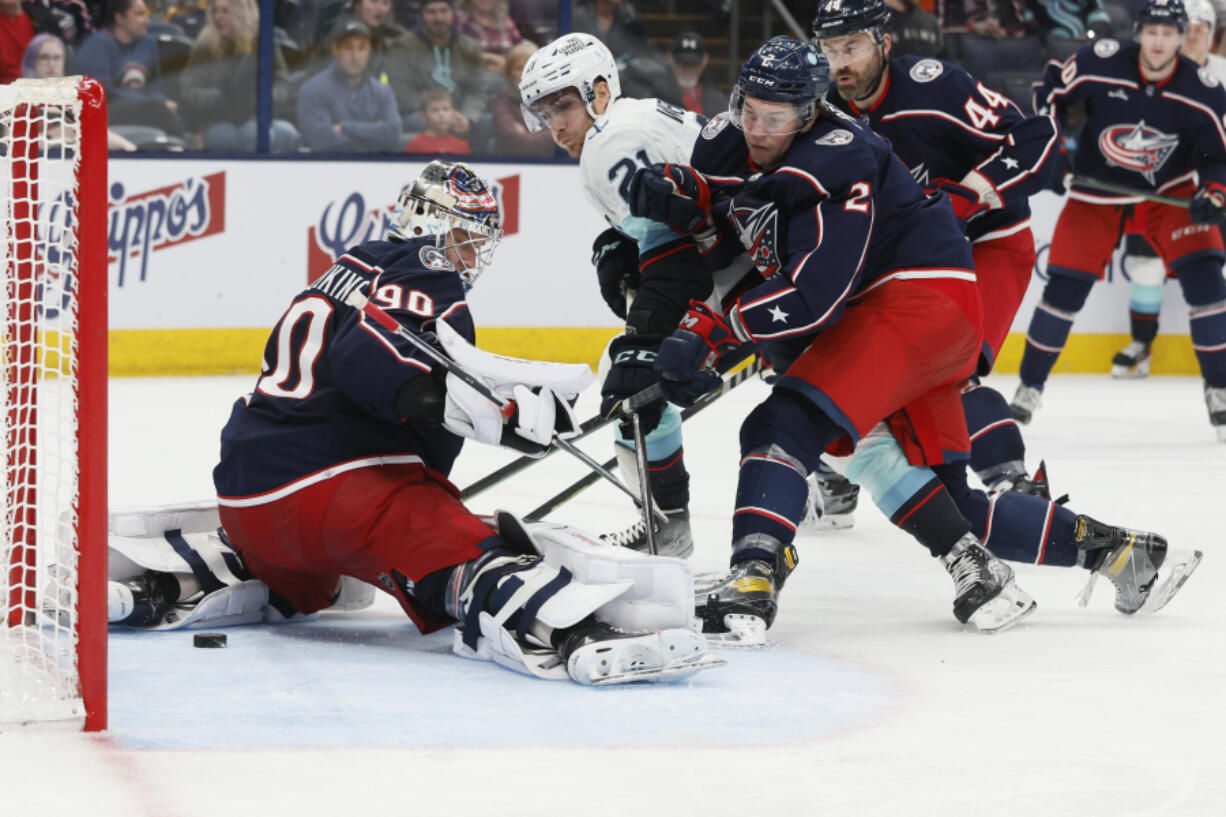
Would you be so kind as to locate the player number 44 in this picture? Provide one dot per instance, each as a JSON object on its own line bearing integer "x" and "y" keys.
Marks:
{"x": 981, "y": 115}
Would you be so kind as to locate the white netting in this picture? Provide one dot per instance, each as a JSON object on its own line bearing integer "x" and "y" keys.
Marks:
{"x": 39, "y": 151}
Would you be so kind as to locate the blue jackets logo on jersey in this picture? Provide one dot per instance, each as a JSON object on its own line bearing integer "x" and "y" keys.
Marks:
{"x": 836, "y": 137}
{"x": 758, "y": 231}
{"x": 1105, "y": 48}
{"x": 1137, "y": 147}
{"x": 926, "y": 70}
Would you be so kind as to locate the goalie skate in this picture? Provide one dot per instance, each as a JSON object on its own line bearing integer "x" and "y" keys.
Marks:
{"x": 600, "y": 655}
{"x": 1131, "y": 362}
{"x": 831, "y": 504}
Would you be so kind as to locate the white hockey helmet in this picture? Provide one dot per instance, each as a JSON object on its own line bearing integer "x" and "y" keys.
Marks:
{"x": 450, "y": 196}
{"x": 1201, "y": 10}
{"x": 573, "y": 61}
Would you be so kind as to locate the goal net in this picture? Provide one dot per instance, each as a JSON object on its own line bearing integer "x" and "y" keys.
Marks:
{"x": 53, "y": 354}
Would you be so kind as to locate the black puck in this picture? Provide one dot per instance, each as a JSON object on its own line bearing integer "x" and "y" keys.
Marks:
{"x": 209, "y": 640}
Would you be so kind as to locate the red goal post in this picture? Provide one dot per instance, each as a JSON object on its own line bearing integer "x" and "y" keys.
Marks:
{"x": 53, "y": 348}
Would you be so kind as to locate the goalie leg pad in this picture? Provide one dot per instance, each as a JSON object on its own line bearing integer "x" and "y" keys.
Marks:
{"x": 558, "y": 576}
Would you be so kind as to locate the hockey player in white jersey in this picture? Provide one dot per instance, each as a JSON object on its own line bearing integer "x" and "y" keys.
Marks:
{"x": 648, "y": 272}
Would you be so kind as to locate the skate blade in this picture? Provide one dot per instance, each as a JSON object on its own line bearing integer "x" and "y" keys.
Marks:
{"x": 672, "y": 672}
{"x": 744, "y": 632}
{"x": 825, "y": 524}
{"x": 1185, "y": 562}
{"x": 1130, "y": 372}
{"x": 1003, "y": 611}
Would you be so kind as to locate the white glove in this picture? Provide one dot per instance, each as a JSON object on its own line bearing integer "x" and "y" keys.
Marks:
{"x": 539, "y": 415}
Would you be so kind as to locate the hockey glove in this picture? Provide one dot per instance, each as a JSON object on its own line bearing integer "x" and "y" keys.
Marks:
{"x": 965, "y": 201}
{"x": 1062, "y": 167}
{"x": 633, "y": 370}
{"x": 688, "y": 356}
{"x": 616, "y": 259}
{"x": 675, "y": 195}
{"x": 539, "y": 415}
{"x": 1208, "y": 206}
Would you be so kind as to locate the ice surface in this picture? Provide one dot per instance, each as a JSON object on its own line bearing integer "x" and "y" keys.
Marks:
{"x": 873, "y": 700}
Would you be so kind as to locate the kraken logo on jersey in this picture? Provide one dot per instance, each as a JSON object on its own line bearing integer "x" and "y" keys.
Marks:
{"x": 1137, "y": 147}
{"x": 757, "y": 229}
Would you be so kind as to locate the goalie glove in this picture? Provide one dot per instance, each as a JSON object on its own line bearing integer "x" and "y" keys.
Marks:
{"x": 539, "y": 415}
{"x": 688, "y": 356}
{"x": 1208, "y": 206}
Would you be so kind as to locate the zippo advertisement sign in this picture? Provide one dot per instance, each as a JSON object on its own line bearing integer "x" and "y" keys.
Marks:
{"x": 209, "y": 244}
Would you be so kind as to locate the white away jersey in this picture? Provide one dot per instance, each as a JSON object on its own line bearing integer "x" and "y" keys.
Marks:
{"x": 634, "y": 133}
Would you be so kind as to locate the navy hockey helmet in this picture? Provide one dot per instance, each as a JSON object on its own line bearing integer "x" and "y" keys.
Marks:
{"x": 782, "y": 70}
{"x": 840, "y": 18}
{"x": 450, "y": 196}
{"x": 1161, "y": 12}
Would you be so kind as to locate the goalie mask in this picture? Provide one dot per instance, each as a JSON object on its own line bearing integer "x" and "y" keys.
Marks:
{"x": 447, "y": 197}
{"x": 573, "y": 61}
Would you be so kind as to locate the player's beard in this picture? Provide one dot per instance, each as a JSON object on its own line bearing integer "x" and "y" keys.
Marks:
{"x": 866, "y": 85}
{"x": 1159, "y": 69}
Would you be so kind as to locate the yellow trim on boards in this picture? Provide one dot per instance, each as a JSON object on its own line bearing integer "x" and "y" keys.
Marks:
{"x": 150, "y": 352}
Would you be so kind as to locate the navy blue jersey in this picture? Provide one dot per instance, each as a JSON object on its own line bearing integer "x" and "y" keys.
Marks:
{"x": 943, "y": 123}
{"x": 1140, "y": 134}
{"x": 839, "y": 216}
{"x": 326, "y": 397}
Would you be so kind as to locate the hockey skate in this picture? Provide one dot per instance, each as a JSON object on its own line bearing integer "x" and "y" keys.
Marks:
{"x": 1036, "y": 485}
{"x": 1131, "y": 362}
{"x": 673, "y": 538}
{"x": 1215, "y": 401}
{"x": 736, "y": 608}
{"x": 1026, "y": 400}
{"x": 986, "y": 596}
{"x": 831, "y": 504}
{"x": 1132, "y": 561}
{"x": 141, "y": 601}
{"x": 598, "y": 654}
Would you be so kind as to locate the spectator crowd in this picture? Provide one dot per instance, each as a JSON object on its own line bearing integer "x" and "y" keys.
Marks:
{"x": 441, "y": 76}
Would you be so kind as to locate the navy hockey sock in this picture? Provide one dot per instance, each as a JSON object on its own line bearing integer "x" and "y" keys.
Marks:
{"x": 782, "y": 440}
{"x": 997, "y": 449}
{"x": 770, "y": 496}
{"x": 1049, "y": 328}
{"x": 1144, "y": 325}
{"x": 1014, "y": 526}
{"x": 1205, "y": 291}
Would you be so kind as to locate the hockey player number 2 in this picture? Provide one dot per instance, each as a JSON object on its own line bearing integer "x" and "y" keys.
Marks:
{"x": 981, "y": 116}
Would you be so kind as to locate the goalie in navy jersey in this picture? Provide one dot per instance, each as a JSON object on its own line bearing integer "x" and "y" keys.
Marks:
{"x": 1154, "y": 124}
{"x": 954, "y": 134}
{"x": 336, "y": 464}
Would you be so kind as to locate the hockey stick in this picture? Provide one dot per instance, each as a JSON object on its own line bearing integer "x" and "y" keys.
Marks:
{"x": 520, "y": 463}
{"x": 1124, "y": 190}
{"x": 506, "y": 407}
{"x": 587, "y": 480}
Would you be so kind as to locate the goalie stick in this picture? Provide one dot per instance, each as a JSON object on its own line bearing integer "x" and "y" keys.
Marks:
{"x": 587, "y": 480}
{"x": 506, "y": 407}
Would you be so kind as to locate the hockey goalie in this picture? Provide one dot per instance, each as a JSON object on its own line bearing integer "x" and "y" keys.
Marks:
{"x": 332, "y": 477}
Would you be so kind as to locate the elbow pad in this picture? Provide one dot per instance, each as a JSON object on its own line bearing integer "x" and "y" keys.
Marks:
{"x": 422, "y": 399}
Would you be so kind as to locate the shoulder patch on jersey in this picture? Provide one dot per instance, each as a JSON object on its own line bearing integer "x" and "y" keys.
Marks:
{"x": 714, "y": 126}
{"x": 839, "y": 136}
{"x": 927, "y": 70}
{"x": 434, "y": 258}
{"x": 1207, "y": 77}
{"x": 1106, "y": 48}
